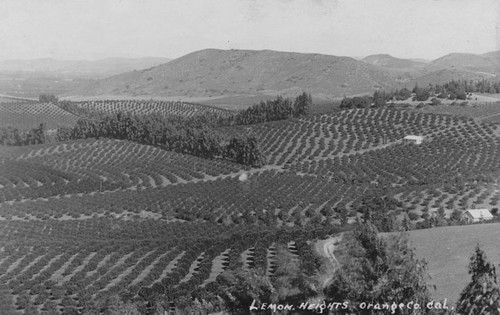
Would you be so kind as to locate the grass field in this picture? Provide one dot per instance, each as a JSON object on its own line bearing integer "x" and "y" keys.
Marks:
{"x": 447, "y": 251}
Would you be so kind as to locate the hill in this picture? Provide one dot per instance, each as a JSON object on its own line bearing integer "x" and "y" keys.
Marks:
{"x": 460, "y": 66}
{"x": 212, "y": 73}
{"x": 445, "y": 75}
{"x": 388, "y": 61}
{"x": 488, "y": 63}
{"x": 223, "y": 75}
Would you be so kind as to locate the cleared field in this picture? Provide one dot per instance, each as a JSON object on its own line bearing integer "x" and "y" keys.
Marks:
{"x": 447, "y": 251}
{"x": 31, "y": 115}
{"x": 239, "y": 102}
{"x": 482, "y": 111}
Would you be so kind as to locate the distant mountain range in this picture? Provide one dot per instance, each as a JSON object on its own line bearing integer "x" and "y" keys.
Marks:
{"x": 218, "y": 74}
{"x": 49, "y": 67}
{"x": 214, "y": 73}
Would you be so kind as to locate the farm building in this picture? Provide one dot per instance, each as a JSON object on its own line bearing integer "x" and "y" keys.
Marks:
{"x": 413, "y": 139}
{"x": 477, "y": 215}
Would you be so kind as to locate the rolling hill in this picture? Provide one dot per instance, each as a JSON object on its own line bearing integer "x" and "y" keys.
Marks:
{"x": 388, "y": 61}
{"x": 488, "y": 63}
{"x": 221, "y": 74}
{"x": 212, "y": 73}
{"x": 455, "y": 66}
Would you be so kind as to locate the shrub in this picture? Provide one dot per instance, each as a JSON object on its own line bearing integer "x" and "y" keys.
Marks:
{"x": 435, "y": 101}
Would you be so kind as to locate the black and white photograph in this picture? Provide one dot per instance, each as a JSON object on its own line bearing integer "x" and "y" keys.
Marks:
{"x": 249, "y": 157}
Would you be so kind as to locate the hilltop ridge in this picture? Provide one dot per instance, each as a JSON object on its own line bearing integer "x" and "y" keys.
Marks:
{"x": 214, "y": 72}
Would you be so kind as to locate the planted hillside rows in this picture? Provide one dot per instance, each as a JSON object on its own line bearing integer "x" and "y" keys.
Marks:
{"x": 99, "y": 165}
{"x": 60, "y": 271}
{"x": 323, "y": 167}
{"x": 460, "y": 150}
{"x": 30, "y": 115}
{"x": 343, "y": 132}
{"x": 141, "y": 107}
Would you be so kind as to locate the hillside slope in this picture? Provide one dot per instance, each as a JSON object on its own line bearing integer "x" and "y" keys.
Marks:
{"x": 388, "y": 61}
{"x": 487, "y": 63}
{"x": 213, "y": 72}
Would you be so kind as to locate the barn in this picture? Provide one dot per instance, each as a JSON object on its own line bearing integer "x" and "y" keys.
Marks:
{"x": 477, "y": 215}
{"x": 413, "y": 139}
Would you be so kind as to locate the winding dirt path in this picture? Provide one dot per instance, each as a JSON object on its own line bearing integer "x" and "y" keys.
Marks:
{"x": 326, "y": 248}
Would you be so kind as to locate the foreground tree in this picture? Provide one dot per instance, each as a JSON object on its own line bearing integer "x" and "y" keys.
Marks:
{"x": 379, "y": 271}
{"x": 48, "y": 98}
{"x": 244, "y": 288}
{"x": 245, "y": 291}
{"x": 482, "y": 295}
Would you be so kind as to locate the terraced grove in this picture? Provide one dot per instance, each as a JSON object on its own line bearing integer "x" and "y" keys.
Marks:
{"x": 31, "y": 115}
{"x": 142, "y": 107}
{"x": 317, "y": 167}
{"x": 59, "y": 266}
{"x": 83, "y": 219}
{"x": 98, "y": 165}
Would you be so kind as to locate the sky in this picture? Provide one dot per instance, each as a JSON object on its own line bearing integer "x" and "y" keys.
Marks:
{"x": 97, "y": 29}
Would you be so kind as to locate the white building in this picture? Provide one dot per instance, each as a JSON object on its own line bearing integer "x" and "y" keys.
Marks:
{"x": 413, "y": 139}
{"x": 477, "y": 215}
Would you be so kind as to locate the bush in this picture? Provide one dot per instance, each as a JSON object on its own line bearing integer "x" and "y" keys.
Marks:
{"x": 413, "y": 216}
{"x": 435, "y": 101}
{"x": 48, "y": 98}
{"x": 422, "y": 95}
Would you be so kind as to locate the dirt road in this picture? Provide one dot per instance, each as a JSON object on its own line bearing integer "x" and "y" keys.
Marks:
{"x": 326, "y": 248}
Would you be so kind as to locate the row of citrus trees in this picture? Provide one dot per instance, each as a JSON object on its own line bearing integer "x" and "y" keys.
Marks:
{"x": 62, "y": 266}
{"x": 194, "y": 135}
{"x": 99, "y": 165}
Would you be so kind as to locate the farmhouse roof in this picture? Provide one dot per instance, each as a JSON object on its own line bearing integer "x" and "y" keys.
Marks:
{"x": 414, "y": 137}
{"x": 480, "y": 213}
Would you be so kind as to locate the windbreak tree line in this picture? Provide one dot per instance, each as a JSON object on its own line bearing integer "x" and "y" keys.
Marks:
{"x": 453, "y": 90}
{"x": 175, "y": 134}
{"x": 471, "y": 86}
{"x": 13, "y": 136}
{"x": 196, "y": 135}
{"x": 279, "y": 109}
{"x": 48, "y": 98}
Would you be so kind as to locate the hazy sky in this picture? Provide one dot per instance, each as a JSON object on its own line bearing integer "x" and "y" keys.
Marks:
{"x": 94, "y": 29}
